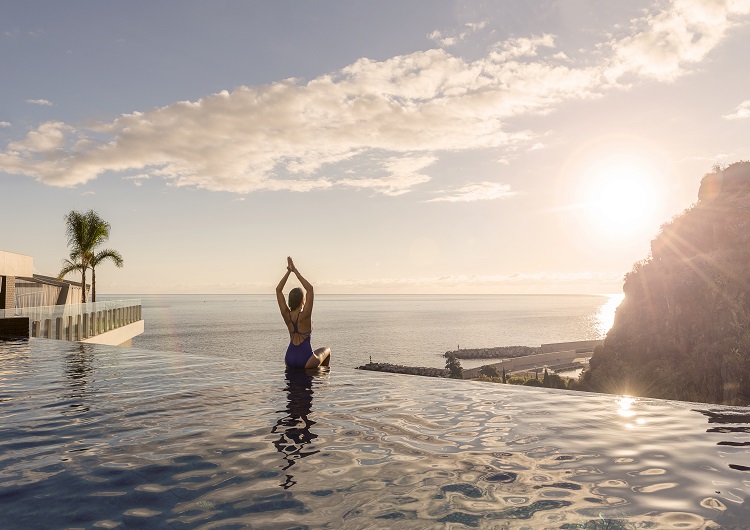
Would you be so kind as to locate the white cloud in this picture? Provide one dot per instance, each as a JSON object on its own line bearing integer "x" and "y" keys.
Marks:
{"x": 482, "y": 191}
{"x": 403, "y": 173}
{"x": 299, "y": 136}
{"x": 43, "y": 102}
{"x": 740, "y": 113}
{"x": 49, "y": 136}
{"x": 476, "y": 26}
{"x": 138, "y": 179}
{"x": 451, "y": 40}
{"x": 280, "y": 136}
{"x": 88, "y": 193}
{"x": 521, "y": 47}
{"x": 4, "y": 124}
{"x": 663, "y": 45}
{"x": 443, "y": 40}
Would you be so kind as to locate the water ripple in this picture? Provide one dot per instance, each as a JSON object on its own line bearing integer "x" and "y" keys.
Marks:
{"x": 117, "y": 437}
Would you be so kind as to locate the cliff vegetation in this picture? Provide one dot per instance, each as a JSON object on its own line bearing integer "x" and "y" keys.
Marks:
{"x": 683, "y": 328}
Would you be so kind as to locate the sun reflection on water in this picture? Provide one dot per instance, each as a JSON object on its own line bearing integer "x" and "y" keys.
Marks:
{"x": 625, "y": 403}
{"x": 606, "y": 316}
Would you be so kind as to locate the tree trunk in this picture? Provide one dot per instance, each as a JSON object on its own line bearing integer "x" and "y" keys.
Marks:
{"x": 83, "y": 286}
{"x": 93, "y": 285}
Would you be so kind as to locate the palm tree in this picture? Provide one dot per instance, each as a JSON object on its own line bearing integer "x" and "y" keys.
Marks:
{"x": 96, "y": 259}
{"x": 85, "y": 231}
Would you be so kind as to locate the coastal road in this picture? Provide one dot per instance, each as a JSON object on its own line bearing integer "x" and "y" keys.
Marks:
{"x": 530, "y": 362}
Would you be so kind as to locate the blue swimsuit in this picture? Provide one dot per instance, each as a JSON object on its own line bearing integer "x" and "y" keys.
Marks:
{"x": 298, "y": 355}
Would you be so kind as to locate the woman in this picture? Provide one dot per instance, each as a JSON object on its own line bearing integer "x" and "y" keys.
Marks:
{"x": 298, "y": 319}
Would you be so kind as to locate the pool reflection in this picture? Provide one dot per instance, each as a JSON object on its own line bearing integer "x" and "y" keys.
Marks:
{"x": 79, "y": 371}
{"x": 733, "y": 424}
{"x": 294, "y": 429}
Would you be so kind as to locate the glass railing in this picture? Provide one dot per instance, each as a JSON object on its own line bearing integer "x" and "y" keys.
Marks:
{"x": 77, "y": 321}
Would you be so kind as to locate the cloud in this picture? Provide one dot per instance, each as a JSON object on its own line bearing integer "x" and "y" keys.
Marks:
{"x": 451, "y": 40}
{"x": 48, "y": 137}
{"x": 476, "y": 26}
{"x": 443, "y": 40}
{"x": 138, "y": 179}
{"x": 740, "y": 113}
{"x": 5, "y": 124}
{"x": 663, "y": 45}
{"x": 43, "y": 102}
{"x": 522, "y": 47}
{"x": 279, "y": 136}
{"x": 403, "y": 173}
{"x": 397, "y": 114}
{"x": 482, "y": 191}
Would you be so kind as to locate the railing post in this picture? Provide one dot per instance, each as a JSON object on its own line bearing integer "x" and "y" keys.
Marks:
{"x": 85, "y": 320}
{"x": 59, "y": 328}
{"x": 78, "y": 327}
{"x": 98, "y": 322}
{"x": 69, "y": 329}
{"x": 35, "y": 328}
{"x": 47, "y": 328}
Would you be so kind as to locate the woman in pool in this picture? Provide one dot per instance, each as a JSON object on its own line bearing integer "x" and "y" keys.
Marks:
{"x": 298, "y": 319}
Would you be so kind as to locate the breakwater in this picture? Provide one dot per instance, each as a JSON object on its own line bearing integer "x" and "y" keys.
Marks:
{"x": 511, "y": 352}
{"x": 498, "y": 352}
{"x": 401, "y": 369}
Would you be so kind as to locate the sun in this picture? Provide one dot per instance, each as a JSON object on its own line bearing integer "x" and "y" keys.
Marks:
{"x": 621, "y": 195}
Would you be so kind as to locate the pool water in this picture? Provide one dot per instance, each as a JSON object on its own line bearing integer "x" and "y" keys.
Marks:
{"x": 104, "y": 437}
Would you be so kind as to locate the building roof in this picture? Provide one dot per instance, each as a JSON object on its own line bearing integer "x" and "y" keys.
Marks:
{"x": 12, "y": 264}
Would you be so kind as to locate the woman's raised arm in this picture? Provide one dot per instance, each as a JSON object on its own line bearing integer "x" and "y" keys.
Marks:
{"x": 280, "y": 295}
{"x": 309, "y": 292}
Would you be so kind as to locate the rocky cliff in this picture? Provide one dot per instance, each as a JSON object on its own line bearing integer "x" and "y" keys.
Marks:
{"x": 683, "y": 328}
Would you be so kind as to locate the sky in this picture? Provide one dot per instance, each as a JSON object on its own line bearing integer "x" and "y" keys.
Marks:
{"x": 429, "y": 146}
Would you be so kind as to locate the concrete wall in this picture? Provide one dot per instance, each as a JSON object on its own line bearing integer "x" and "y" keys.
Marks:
{"x": 118, "y": 337}
{"x": 587, "y": 345}
{"x": 16, "y": 264}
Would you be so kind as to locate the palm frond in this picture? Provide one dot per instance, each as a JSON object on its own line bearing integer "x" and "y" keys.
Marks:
{"x": 68, "y": 267}
{"x": 107, "y": 254}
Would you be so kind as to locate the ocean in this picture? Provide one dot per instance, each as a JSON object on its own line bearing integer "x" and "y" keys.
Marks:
{"x": 414, "y": 330}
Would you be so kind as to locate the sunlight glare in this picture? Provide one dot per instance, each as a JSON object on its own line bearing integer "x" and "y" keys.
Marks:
{"x": 621, "y": 195}
{"x": 625, "y": 403}
{"x": 605, "y": 318}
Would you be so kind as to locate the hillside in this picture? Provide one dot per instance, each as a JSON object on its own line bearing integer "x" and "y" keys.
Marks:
{"x": 683, "y": 328}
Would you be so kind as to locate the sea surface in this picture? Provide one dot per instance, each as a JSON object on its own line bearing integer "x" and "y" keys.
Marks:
{"x": 414, "y": 330}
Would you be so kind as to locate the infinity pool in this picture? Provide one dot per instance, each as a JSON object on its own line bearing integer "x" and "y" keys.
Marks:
{"x": 99, "y": 437}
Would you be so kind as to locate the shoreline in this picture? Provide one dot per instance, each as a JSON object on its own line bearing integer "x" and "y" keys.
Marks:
{"x": 557, "y": 357}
